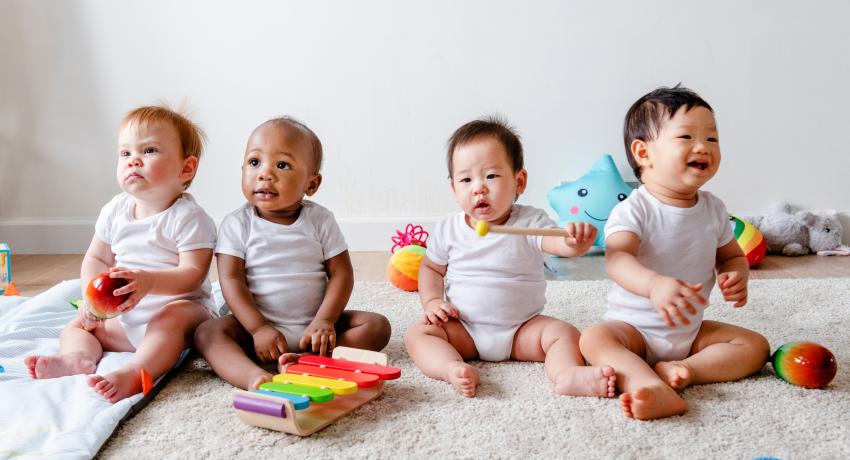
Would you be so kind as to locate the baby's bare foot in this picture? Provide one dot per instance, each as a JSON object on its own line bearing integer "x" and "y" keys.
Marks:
{"x": 652, "y": 402}
{"x": 117, "y": 385}
{"x": 674, "y": 373}
{"x": 463, "y": 377}
{"x": 258, "y": 379}
{"x": 598, "y": 381}
{"x": 48, "y": 367}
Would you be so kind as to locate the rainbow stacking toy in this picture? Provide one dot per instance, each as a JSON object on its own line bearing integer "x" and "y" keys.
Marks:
{"x": 805, "y": 364}
{"x": 750, "y": 239}
{"x": 315, "y": 392}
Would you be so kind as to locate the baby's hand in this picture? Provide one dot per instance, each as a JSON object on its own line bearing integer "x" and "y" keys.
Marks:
{"x": 269, "y": 343}
{"x": 733, "y": 285}
{"x": 582, "y": 236}
{"x": 673, "y": 297}
{"x": 438, "y": 311}
{"x": 87, "y": 319}
{"x": 140, "y": 282}
{"x": 320, "y": 336}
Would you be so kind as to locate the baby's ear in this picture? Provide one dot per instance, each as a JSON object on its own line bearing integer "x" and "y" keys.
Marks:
{"x": 190, "y": 167}
{"x": 313, "y": 185}
{"x": 521, "y": 181}
{"x": 639, "y": 152}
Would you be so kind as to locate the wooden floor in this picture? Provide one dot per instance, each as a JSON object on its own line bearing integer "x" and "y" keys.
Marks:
{"x": 33, "y": 274}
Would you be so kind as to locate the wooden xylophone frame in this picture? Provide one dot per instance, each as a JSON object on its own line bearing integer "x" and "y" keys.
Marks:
{"x": 319, "y": 415}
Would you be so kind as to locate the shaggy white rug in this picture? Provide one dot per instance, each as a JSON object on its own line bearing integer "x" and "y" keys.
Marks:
{"x": 516, "y": 413}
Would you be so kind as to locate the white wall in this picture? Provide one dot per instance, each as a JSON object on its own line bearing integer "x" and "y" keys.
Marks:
{"x": 384, "y": 83}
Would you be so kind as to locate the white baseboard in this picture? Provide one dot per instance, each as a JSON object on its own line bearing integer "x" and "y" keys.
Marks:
{"x": 74, "y": 236}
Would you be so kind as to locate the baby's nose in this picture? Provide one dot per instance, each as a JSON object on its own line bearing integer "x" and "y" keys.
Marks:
{"x": 264, "y": 174}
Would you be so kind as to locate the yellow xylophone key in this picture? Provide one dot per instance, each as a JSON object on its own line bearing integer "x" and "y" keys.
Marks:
{"x": 339, "y": 387}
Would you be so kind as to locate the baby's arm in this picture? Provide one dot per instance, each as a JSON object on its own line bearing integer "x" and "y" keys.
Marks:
{"x": 669, "y": 295}
{"x": 269, "y": 343}
{"x": 190, "y": 272}
{"x": 320, "y": 333}
{"x": 733, "y": 273}
{"x": 431, "y": 290}
{"x": 583, "y": 236}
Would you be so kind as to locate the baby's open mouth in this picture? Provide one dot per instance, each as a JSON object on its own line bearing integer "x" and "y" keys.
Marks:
{"x": 482, "y": 205}
{"x": 701, "y": 165}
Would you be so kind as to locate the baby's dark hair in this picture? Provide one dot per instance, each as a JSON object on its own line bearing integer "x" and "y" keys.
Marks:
{"x": 315, "y": 143}
{"x": 491, "y": 126}
{"x": 648, "y": 114}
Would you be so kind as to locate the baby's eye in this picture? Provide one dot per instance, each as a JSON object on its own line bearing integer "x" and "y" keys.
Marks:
{"x": 712, "y": 139}
{"x": 492, "y": 176}
{"x": 253, "y": 162}
{"x": 465, "y": 180}
{"x": 282, "y": 165}
{"x": 685, "y": 136}
{"x": 150, "y": 150}
{"x": 582, "y": 192}
{"x": 123, "y": 153}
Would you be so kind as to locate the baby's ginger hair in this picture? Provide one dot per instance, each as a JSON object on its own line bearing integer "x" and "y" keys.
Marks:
{"x": 191, "y": 136}
{"x": 315, "y": 143}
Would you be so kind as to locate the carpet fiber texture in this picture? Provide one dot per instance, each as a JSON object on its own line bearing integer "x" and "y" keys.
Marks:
{"x": 516, "y": 413}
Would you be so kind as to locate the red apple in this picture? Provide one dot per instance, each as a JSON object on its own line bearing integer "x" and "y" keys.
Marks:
{"x": 102, "y": 302}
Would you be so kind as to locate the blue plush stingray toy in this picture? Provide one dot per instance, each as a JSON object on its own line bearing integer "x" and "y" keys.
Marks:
{"x": 592, "y": 197}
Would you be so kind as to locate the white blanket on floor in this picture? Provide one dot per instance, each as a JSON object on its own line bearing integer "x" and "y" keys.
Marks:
{"x": 54, "y": 418}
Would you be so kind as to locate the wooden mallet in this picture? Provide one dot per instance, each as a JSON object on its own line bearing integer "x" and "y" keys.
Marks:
{"x": 482, "y": 228}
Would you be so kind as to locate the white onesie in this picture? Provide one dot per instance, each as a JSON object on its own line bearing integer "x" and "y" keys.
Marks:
{"x": 284, "y": 264}
{"x": 495, "y": 281}
{"x": 677, "y": 242}
{"x": 154, "y": 243}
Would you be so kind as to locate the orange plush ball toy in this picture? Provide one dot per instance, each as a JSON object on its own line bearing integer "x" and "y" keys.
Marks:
{"x": 408, "y": 250}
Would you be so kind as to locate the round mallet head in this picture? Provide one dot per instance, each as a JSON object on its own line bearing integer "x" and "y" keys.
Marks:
{"x": 805, "y": 364}
{"x": 481, "y": 228}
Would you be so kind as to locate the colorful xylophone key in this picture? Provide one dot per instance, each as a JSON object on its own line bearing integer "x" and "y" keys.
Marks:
{"x": 338, "y": 387}
{"x": 360, "y": 379}
{"x": 384, "y": 372}
{"x": 315, "y": 394}
{"x": 298, "y": 402}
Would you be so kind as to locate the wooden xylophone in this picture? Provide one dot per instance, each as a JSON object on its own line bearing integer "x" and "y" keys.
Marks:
{"x": 316, "y": 391}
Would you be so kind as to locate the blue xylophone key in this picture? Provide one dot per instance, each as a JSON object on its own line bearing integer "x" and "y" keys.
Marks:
{"x": 298, "y": 402}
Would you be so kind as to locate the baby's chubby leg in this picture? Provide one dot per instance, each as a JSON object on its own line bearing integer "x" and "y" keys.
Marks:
{"x": 644, "y": 395}
{"x": 226, "y": 346}
{"x": 555, "y": 342}
{"x": 440, "y": 352}
{"x": 363, "y": 329}
{"x": 167, "y": 334}
{"x": 79, "y": 349}
{"x": 720, "y": 353}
